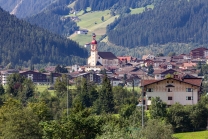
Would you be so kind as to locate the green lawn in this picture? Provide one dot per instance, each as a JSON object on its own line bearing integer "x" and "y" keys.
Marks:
{"x": 137, "y": 89}
{"x": 41, "y": 88}
{"x": 192, "y": 135}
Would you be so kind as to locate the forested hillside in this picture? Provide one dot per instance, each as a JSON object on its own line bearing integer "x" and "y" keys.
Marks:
{"x": 96, "y": 5}
{"x": 24, "y": 8}
{"x": 24, "y": 44}
{"x": 52, "y": 19}
{"x": 171, "y": 21}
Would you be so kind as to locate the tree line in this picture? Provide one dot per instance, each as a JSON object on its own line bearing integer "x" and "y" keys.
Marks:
{"x": 24, "y": 44}
{"x": 169, "y": 21}
{"x": 97, "y": 5}
{"x": 90, "y": 111}
{"x": 54, "y": 22}
{"x": 33, "y": 114}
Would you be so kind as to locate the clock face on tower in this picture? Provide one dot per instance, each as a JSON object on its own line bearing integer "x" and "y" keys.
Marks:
{"x": 93, "y": 48}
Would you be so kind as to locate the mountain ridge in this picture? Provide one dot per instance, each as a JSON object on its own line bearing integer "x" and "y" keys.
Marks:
{"x": 23, "y": 44}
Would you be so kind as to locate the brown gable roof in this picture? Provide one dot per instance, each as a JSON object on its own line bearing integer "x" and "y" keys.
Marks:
{"x": 169, "y": 71}
{"x": 199, "y": 49}
{"x": 196, "y": 82}
{"x": 107, "y": 55}
{"x": 147, "y": 82}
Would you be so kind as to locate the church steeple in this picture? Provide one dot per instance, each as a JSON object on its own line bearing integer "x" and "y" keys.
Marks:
{"x": 94, "y": 51}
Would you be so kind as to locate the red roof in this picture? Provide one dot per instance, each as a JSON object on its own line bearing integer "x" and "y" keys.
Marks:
{"x": 128, "y": 58}
{"x": 193, "y": 81}
{"x": 147, "y": 82}
{"x": 200, "y": 49}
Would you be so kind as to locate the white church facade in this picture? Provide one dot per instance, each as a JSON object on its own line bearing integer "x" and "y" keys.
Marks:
{"x": 100, "y": 60}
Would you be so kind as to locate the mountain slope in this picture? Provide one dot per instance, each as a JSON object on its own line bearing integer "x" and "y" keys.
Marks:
{"x": 22, "y": 43}
{"x": 172, "y": 21}
{"x": 53, "y": 20}
{"x": 97, "y": 5}
{"x": 24, "y": 8}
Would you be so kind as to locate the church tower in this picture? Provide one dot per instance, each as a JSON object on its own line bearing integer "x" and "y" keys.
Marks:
{"x": 94, "y": 51}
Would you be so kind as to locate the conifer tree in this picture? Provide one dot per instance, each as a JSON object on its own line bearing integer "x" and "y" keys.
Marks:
{"x": 84, "y": 95}
{"x": 2, "y": 90}
{"x": 106, "y": 96}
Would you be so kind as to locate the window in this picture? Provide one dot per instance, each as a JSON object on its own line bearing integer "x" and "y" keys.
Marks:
{"x": 188, "y": 89}
{"x": 167, "y": 81}
{"x": 172, "y": 81}
{"x": 170, "y": 98}
{"x": 149, "y": 89}
{"x": 149, "y": 98}
{"x": 169, "y": 90}
{"x": 189, "y": 98}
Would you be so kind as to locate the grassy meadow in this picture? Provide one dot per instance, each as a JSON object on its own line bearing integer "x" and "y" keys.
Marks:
{"x": 192, "y": 135}
{"x": 137, "y": 89}
{"x": 41, "y": 88}
{"x": 93, "y": 23}
{"x": 140, "y": 10}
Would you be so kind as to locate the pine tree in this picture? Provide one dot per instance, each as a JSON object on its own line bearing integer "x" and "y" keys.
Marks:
{"x": 2, "y": 90}
{"x": 84, "y": 94}
{"x": 106, "y": 96}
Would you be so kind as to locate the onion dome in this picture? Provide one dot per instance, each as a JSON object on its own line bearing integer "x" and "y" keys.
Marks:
{"x": 94, "y": 42}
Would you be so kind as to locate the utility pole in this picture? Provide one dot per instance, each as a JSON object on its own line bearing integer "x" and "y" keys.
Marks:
{"x": 142, "y": 100}
{"x": 67, "y": 95}
{"x": 192, "y": 96}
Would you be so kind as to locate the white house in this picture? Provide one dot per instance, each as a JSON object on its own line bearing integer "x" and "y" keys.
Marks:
{"x": 149, "y": 56}
{"x": 185, "y": 91}
{"x": 4, "y": 75}
{"x": 115, "y": 81}
{"x": 82, "y": 31}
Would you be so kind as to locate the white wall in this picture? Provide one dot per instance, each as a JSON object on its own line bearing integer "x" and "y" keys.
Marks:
{"x": 178, "y": 93}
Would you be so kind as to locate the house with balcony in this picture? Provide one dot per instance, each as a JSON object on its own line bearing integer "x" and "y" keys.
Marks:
{"x": 40, "y": 78}
{"x": 5, "y": 74}
{"x": 200, "y": 52}
{"x": 185, "y": 90}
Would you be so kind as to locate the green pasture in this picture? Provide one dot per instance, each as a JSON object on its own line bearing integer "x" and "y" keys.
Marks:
{"x": 192, "y": 135}
{"x": 82, "y": 39}
{"x": 91, "y": 19}
{"x": 137, "y": 89}
{"x": 41, "y": 88}
{"x": 93, "y": 23}
{"x": 140, "y": 10}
